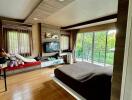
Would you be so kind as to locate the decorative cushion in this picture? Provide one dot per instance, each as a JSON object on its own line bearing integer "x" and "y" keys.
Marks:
{"x": 24, "y": 59}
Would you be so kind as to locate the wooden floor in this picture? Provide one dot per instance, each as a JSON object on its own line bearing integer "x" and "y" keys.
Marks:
{"x": 33, "y": 85}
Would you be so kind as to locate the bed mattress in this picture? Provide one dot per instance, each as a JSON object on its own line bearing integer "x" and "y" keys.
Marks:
{"x": 89, "y": 80}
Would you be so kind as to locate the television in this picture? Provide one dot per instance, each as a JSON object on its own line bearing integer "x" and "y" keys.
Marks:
{"x": 50, "y": 47}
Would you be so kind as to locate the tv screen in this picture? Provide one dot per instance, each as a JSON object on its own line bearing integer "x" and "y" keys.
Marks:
{"x": 51, "y": 47}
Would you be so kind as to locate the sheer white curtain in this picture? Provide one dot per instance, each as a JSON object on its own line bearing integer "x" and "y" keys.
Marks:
{"x": 18, "y": 42}
{"x": 12, "y": 42}
{"x": 65, "y": 42}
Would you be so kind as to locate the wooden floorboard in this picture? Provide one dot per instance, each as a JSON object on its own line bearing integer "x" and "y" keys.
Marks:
{"x": 33, "y": 85}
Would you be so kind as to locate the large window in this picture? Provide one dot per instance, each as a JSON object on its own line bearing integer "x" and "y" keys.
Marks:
{"x": 64, "y": 42}
{"x": 110, "y": 47}
{"x": 79, "y": 47}
{"x": 96, "y": 47}
{"x": 18, "y": 42}
{"x": 87, "y": 47}
{"x": 99, "y": 47}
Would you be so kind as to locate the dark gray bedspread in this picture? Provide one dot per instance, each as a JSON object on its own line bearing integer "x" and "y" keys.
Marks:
{"x": 82, "y": 70}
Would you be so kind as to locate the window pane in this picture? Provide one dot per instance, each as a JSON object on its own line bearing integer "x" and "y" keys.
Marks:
{"x": 99, "y": 47}
{"x": 92, "y": 47}
{"x": 24, "y": 43}
{"x": 110, "y": 47}
{"x": 12, "y": 42}
{"x": 64, "y": 42}
{"x": 79, "y": 47}
{"x": 87, "y": 46}
{"x": 18, "y": 42}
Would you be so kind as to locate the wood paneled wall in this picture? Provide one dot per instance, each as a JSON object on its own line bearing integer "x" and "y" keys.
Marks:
{"x": 45, "y": 28}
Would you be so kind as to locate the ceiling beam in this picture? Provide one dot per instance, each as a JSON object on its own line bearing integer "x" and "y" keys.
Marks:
{"x": 33, "y": 10}
{"x": 91, "y": 21}
{"x": 11, "y": 19}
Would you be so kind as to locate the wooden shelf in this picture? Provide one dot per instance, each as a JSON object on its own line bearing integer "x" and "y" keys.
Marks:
{"x": 49, "y": 40}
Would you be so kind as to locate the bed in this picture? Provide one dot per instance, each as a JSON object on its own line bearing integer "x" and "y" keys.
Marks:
{"x": 90, "y": 81}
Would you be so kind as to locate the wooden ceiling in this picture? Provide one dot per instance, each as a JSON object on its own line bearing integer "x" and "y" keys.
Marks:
{"x": 70, "y": 12}
{"x": 45, "y": 9}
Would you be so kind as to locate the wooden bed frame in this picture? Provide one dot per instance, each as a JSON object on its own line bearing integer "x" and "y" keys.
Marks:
{"x": 68, "y": 89}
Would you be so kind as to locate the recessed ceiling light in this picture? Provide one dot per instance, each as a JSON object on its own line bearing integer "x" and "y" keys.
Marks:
{"x": 61, "y": 0}
{"x": 35, "y": 18}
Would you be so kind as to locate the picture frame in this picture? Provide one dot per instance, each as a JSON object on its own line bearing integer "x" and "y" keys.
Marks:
{"x": 48, "y": 35}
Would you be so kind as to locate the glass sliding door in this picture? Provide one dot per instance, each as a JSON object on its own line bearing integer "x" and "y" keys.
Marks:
{"x": 87, "y": 47}
{"x": 79, "y": 47}
{"x": 110, "y": 47}
{"x": 96, "y": 47}
{"x": 99, "y": 47}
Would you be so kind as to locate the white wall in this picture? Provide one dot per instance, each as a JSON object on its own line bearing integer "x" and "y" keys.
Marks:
{"x": 126, "y": 91}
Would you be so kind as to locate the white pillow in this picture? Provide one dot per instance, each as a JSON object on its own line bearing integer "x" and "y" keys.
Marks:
{"x": 24, "y": 59}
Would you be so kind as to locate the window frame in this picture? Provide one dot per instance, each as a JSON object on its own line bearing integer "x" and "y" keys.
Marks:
{"x": 93, "y": 46}
{"x": 66, "y": 35}
{"x": 28, "y": 53}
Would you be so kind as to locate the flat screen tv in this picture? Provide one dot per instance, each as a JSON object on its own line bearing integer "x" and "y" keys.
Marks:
{"x": 49, "y": 47}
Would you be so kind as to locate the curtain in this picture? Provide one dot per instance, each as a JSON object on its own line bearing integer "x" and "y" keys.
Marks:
{"x": 1, "y": 39}
{"x": 4, "y": 36}
{"x": 65, "y": 42}
{"x": 73, "y": 37}
{"x": 16, "y": 37}
{"x": 25, "y": 42}
{"x": 17, "y": 41}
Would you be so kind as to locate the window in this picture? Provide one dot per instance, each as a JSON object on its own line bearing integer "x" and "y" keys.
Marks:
{"x": 87, "y": 46}
{"x": 84, "y": 50}
{"x": 64, "y": 42}
{"x": 99, "y": 47}
{"x": 18, "y": 42}
{"x": 79, "y": 47}
{"x": 110, "y": 46}
{"x": 96, "y": 47}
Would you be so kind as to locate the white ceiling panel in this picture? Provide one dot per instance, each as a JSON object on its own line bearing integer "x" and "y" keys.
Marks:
{"x": 17, "y": 9}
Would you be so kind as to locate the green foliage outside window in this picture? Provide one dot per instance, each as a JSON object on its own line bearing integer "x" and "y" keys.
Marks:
{"x": 96, "y": 46}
